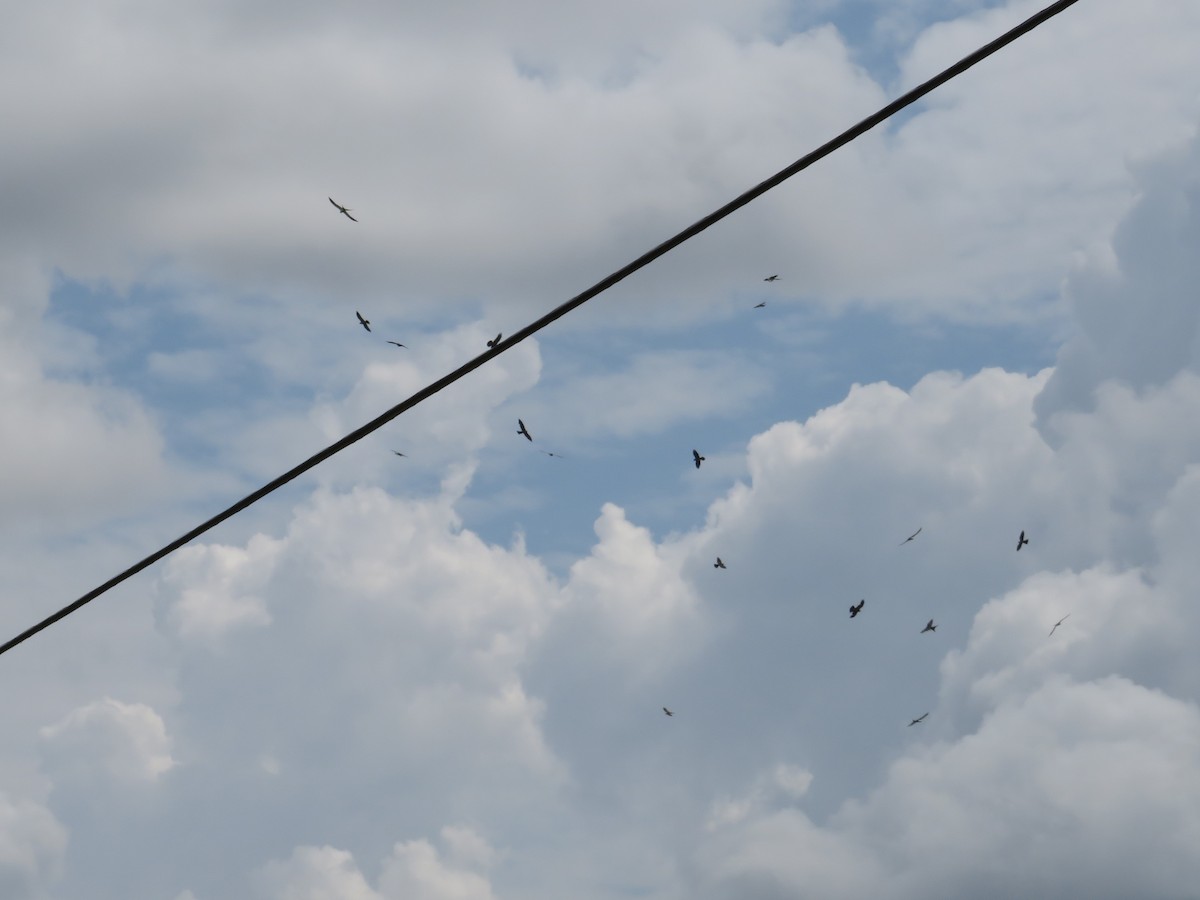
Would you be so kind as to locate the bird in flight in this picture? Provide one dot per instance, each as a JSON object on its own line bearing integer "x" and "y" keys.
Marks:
{"x": 397, "y": 343}
{"x": 771, "y": 278}
{"x": 917, "y": 721}
{"x": 365, "y": 323}
{"x": 719, "y": 564}
{"x": 760, "y": 305}
{"x": 856, "y": 608}
{"x": 521, "y": 429}
{"x": 1059, "y": 622}
{"x": 668, "y": 712}
{"x": 494, "y": 341}
{"x": 911, "y": 536}
{"x": 929, "y": 627}
{"x": 1022, "y": 541}
{"x": 345, "y": 212}
{"x": 398, "y": 453}
{"x": 697, "y": 457}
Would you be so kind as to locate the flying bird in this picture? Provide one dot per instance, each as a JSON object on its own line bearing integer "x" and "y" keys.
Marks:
{"x": 856, "y": 609}
{"x": 398, "y": 453}
{"x": 1022, "y": 541}
{"x": 911, "y": 536}
{"x": 668, "y": 712}
{"x": 365, "y": 323}
{"x": 398, "y": 344}
{"x": 929, "y": 627}
{"x": 719, "y": 564}
{"x": 697, "y": 457}
{"x": 521, "y": 429}
{"x": 760, "y": 305}
{"x": 1059, "y": 622}
{"x": 494, "y": 341}
{"x": 917, "y": 721}
{"x": 345, "y": 212}
{"x": 771, "y": 278}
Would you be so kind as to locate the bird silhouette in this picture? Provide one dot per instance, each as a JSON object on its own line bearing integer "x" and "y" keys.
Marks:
{"x": 494, "y": 341}
{"x": 345, "y": 212}
{"x": 929, "y": 627}
{"x": 697, "y": 457}
{"x": 361, "y": 321}
{"x": 917, "y": 721}
{"x": 668, "y": 712}
{"x": 856, "y": 609}
{"x": 1059, "y": 622}
{"x": 760, "y": 305}
{"x": 398, "y": 453}
{"x": 548, "y": 453}
{"x": 398, "y": 344}
{"x": 1022, "y": 541}
{"x": 521, "y": 429}
{"x": 719, "y": 564}
{"x": 911, "y": 536}
{"x": 771, "y": 278}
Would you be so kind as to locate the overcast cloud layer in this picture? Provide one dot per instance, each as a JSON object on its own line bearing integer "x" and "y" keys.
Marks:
{"x": 442, "y": 676}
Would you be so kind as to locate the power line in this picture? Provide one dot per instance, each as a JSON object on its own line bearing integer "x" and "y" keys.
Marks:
{"x": 578, "y": 300}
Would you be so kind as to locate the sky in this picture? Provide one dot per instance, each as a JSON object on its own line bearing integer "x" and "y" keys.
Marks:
{"x": 443, "y": 676}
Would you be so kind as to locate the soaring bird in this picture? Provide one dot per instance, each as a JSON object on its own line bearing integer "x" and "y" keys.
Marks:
{"x": 911, "y": 536}
{"x": 521, "y": 429}
{"x": 771, "y": 278}
{"x": 494, "y": 341}
{"x": 361, "y": 321}
{"x": 1059, "y": 622}
{"x": 668, "y": 712}
{"x": 398, "y": 453}
{"x": 1022, "y": 541}
{"x": 345, "y": 212}
{"x": 857, "y": 608}
{"x": 398, "y": 344}
{"x": 760, "y": 305}
{"x": 697, "y": 457}
{"x": 917, "y": 721}
{"x": 719, "y": 564}
{"x": 548, "y": 453}
{"x": 929, "y": 627}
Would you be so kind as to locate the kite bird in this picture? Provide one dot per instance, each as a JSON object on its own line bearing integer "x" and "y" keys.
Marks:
{"x": 398, "y": 344}
{"x": 771, "y": 278}
{"x": 929, "y": 627}
{"x": 719, "y": 564}
{"x": 697, "y": 457}
{"x": 365, "y": 323}
{"x": 856, "y": 609}
{"x": 760, "y": 305}
{"x": 521, "y": 429}
{"x": 398, "y": 453}
{"x": 917, "y": 721}
{"x": 345, "y": 212}
{"x": 494, "y": 341}
{"x": 911, "y": 536}
{"x": 1022, "y": 541}
{"x": 1059, "y": 622}
{"x": 668, "y": 712}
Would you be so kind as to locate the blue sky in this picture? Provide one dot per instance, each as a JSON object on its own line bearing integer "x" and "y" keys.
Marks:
{"x": 443, "y": 676}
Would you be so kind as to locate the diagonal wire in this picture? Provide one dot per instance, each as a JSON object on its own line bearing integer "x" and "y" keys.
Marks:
{"x": 558, "y": 312}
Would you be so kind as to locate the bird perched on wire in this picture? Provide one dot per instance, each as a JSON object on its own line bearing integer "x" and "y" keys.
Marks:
{"x": 365, "y": 323}
{"x": 345, "y": 212}
{"x": 494, "y": 341}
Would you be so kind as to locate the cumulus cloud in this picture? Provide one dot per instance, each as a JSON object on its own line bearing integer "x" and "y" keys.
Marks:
{"x": 125, "y": 742}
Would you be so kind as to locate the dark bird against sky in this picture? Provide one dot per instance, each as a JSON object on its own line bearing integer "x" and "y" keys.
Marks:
{"x": 697, "y": 457}
{"x": 345, "y": 212}
{"x": 760, "y": 305}
{"x": 929, "y": 627}
{"x": 397, "y": 343}
{"x": 917, "y": 721}
{"x": 494, "y": 341}
{"x": 521, "y": 429}
{"x": 1022, "y": 541}
{"x": 1059, "y": 622}
{"x": 361, "y": 321}
{"x": 771, "y": 278}
{"x": 856, "y": 609}
{"x": 719, "y": 564}
{"x": 398, "y": 453}
{"x": 668, "y": 712}
{"x": 911, "y": 536}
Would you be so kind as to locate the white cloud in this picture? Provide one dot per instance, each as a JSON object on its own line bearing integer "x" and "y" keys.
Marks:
{"x": 108, "y": 739}
{"x": 32, "y": 846}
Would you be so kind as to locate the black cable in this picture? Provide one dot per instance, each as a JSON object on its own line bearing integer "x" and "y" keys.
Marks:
{"x": 578, "y": 300}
